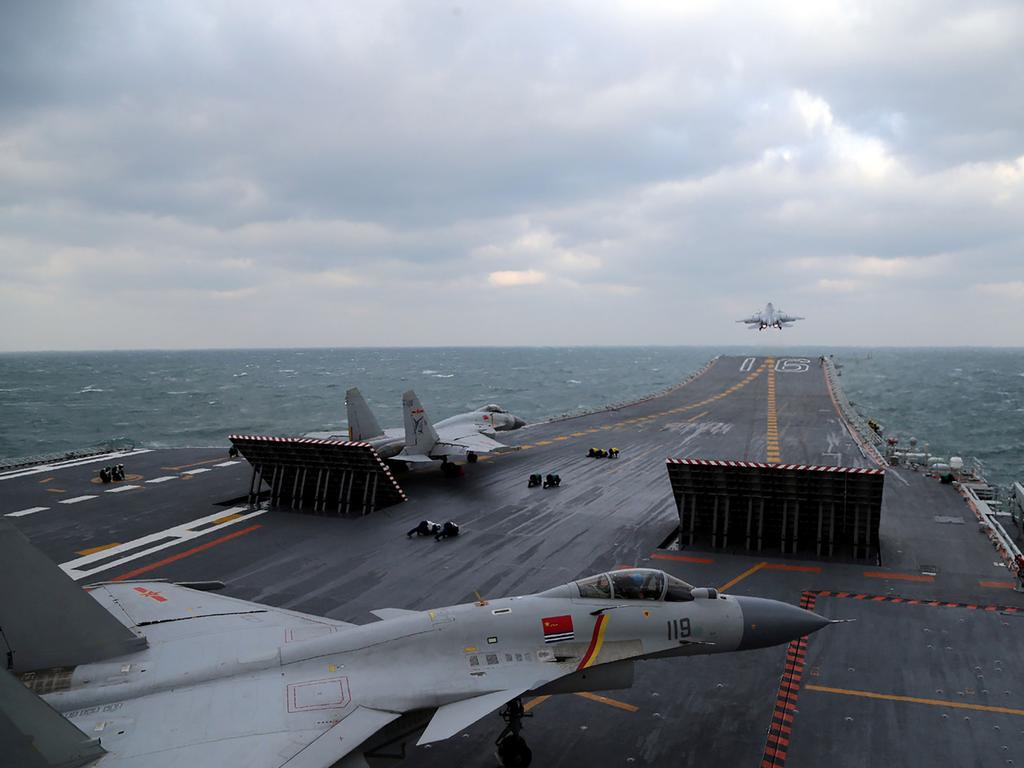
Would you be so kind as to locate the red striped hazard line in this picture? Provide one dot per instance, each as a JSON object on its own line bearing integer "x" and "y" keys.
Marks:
{"x": 777, "y": 744}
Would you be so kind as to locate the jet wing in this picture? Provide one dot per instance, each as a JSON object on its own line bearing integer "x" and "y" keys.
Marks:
{"x": 452, "y": 718}
{"x": 165, "y": 611}
{"x": 463, "y": 441}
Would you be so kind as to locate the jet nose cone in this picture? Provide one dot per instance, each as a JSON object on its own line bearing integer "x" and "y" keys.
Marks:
{"x": 771, "y": 622}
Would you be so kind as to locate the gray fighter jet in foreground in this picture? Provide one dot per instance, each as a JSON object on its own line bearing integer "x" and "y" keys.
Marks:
{"x": 465, "y": 435}
{"x": 150, "y": 674}
{"x": 769, "y": 317}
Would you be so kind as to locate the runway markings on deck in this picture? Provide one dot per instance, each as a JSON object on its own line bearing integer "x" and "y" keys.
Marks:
{"x": 122, "y": 489}
{"x": 777, "y": 742}
{"x": 997, "y": 584}
{"x": 75, "y": 499}
{"x": 187, "y": 553}
{"x": 65, "y": 464}
{"x": 29, "y": 511}
{"x": 55, "y": 490}
{"x": 682, "y": 558}
{"x": 538, "y": 700}
{"x": 47, "y": 479}
{"x": 227, "y": 464}
{"x": 197, "y": 471}
{"x": 772, "y": 431}
{"x": 88, "y": 565}
{"x": 193, "y": 464}
{"x": 899, "y": 576}
{"x": 749, "y": 572}
{"x": 609, "y": 701}
{"x": 94, "y": 550}
{"x": 917, "y": 601}
{"x": 916, "y": 700}
{"x": 163, "y": 479}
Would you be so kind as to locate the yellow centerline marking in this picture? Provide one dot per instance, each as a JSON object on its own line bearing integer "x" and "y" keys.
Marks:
{"x": 749, "y": 572}
{"x": 610, "y": 702}
{"x": 193, "y": 464}
{"x": 94, "y": 550}
{"x": 55, "y": 490}
{"x": 916, "y": 700}
{"x": 47, "y": 479}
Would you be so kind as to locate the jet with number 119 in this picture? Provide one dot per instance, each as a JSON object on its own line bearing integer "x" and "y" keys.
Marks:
{"x": 152, "y": 674}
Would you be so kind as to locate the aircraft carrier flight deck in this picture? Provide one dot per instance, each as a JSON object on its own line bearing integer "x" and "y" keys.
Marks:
{"x": 927, "y": 674}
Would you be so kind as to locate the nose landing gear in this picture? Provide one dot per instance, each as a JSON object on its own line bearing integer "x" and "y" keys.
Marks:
{"x": 512, "y": 749}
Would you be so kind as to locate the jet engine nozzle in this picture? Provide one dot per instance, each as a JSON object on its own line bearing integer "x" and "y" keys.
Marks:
{"x": 772, "y": 622}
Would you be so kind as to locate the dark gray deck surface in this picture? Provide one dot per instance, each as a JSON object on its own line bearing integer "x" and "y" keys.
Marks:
{"x": 701, "y": 711}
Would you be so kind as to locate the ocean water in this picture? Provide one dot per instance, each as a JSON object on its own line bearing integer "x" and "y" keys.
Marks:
{"x": 961, "y": 401}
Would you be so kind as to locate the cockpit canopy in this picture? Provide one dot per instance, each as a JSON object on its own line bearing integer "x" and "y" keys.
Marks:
{"x": 635, "y": 584}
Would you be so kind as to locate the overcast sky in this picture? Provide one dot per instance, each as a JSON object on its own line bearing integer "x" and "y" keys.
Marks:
{"x": 225, "y": 174}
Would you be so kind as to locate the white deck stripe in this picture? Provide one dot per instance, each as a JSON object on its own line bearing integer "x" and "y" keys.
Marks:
{"x": 123, "y": 488}
{"x": 76, "y": 499}
{"x": 73, "y": 463}
{"x": 79, "y": 568}
{"x": 163, "y": 479}
{"x": 227, "y": 463}
{"x": 23, "y": 512}
{"x": 197, "y": 471}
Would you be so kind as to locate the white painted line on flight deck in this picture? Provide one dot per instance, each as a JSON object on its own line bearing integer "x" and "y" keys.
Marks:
{"x": 76, "y": 499}
{"x": 76, "y": 463}
{"x": 123, "y": 488}
{"x": 163, "y": 479}
{"x": 80, "y": 567}
{"x": 197, "y": 471}
{"x": 23, "y": 512}
{"x": 227, "y": 463}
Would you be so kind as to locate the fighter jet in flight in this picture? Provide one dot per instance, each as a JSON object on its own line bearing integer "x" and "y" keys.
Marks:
{"x": 150, "y": 674}
{"x": 769, "y": 317}
{"x": 465, "y": 435}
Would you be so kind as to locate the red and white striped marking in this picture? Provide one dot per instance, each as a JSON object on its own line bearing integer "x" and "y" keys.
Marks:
{"x": 761, "y": 465}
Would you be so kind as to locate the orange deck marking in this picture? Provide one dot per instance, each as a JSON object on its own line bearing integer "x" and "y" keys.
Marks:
{"x": 749, "y": 572}
{"x": 899, "y": 576}
{"x": 682, "y": 558}
{"x": 93, "y": 550}
{"x": 188, "y": 552}
{"x": 226, "y": 519}
{"x": 610, "y": 702}
{"x": 997, "y": 584}
{"x": 798, "y": 568}
{"x": 916, "y": 700}
{"x": 55, "y": 490}
{"x": 47, "y": 479}
{"x": 534, "y": 702}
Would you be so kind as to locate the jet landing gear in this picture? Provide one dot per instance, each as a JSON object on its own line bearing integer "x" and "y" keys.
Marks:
{"x": 512, "y": 749}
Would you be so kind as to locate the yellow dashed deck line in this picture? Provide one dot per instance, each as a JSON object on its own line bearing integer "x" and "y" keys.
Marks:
{"x": 772, "y": 449}
{"x": 749, "y": 572}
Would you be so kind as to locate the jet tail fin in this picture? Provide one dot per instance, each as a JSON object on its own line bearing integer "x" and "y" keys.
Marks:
{"x": 35, "y": 735}
{"x": 46, "y": 620}
{"x": 420, "y": 436}
{"x": 362, "y": 424}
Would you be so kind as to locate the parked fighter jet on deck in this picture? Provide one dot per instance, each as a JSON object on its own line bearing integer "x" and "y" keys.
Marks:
{"x": 465, "y": 435}
{"x": 154, "y": 674}
{"x": 769, "y": 317}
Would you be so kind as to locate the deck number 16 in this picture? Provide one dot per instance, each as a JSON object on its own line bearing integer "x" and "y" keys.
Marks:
{"x": 678, "y": 629}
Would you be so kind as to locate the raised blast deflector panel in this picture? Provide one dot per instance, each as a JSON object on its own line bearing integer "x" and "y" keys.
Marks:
{"x": 333, "y": 477}
{"x": 47, "y": 619}
{"x": 789, "y": 508}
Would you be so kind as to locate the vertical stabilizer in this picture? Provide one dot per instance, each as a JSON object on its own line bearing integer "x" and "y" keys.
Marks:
{"x": 362, "y": 425}
{"x": 35, "y": 735}
{"x": 420, "y": 437}
{"x": 46, "y": 619}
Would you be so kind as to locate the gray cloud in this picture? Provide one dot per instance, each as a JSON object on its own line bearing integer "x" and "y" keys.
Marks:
{"x": 427, "y": 173}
